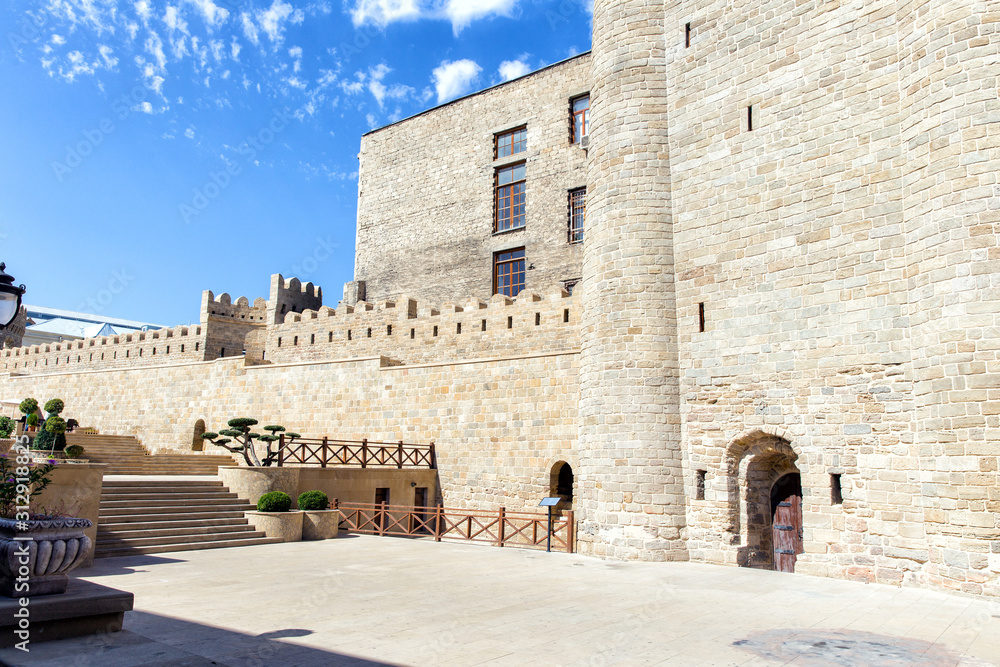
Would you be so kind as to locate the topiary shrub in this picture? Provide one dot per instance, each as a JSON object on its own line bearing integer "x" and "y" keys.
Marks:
{"x": 74, "y": 451}
{"x": 311, "y": 501}
{"x": 32, "y": 419}
{"x": 28, "y": 406}
{"x": 6, "y": 426}
{"x": 54, "y": 406}
{"x": 275, "y": 501}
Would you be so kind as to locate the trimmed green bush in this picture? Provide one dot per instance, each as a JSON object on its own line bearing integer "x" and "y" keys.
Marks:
{"x": 275, "y": 501}
{"x": 311, "y": 501}
{"x": 54, "y": 406}
{"x": 7, "y": 426}
{"x": 32, "y": 419}
{"x": 28, "y": 406}
{"x": 73, "y": 451}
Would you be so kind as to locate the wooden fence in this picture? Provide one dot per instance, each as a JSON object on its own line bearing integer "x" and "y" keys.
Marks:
{"x": 364, "y": 453}
{"x": 499, "y": 528}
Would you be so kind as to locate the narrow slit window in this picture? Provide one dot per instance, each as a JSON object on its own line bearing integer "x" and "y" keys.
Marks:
{"x": 369, "y": 332}
{"x": 279, "y": 341}
{"x": 750, "y": 118}
{"x": 483, "y": 326}
{"x": 295, "y": 341}
{"x": 699, "y": 489}
{"x": 312, "y": 339}
{"x": 458, "y": 328}
{"x": 388, "y": 330}
{"x": 687, "y": 35}
{"x": 330, "y": 338}
{"x": 413, "y": 334}
{"x": 836, "y": 490}
{"x": 510, "y": 322}
{"x": 348, "y": 334}
{"x": 538, "y": 319}
{"x": 435, "y": 330}
{"x": 566, "y": 315}
{"x": 701, "y": 318}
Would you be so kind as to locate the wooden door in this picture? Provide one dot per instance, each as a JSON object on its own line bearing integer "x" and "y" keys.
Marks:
{"x": 786, "y": 532}
{"x": 381, "y": 498}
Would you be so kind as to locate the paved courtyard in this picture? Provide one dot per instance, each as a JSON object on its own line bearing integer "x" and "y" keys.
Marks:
{"x": 363, "y": 600}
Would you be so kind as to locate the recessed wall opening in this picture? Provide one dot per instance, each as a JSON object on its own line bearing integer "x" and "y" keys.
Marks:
{"x": 295, "y": 341}
{"x": 349, "y": 335}
{"x": 330, "y": 337}
{"x": 687, "y": 35}
{"x": 836, "y": 490}
{"x": 458, "y": 328}
{"x": 538, "y": 319}
{"x": 312, "y": 339}
{"x": 413, "y": 334}
{"x": 483, "y": 326}
{"x": 510, "y": 322}
{"x": 561, "y": 481}
{"x": 566, "y": 315}
{"x": 750, "y": 118}
{"x": 435, "y": 330}
{"x": 388, "y": 330}
{"x": 701, "y": 318}
{"x": 369, "y": 332}
{"x": 699, "y": 484}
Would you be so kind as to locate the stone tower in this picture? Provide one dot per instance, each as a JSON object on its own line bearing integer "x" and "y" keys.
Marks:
{"x": 632, "y": 498}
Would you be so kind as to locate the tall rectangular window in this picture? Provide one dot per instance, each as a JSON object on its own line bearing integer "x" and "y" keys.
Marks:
{"x": 581, "y": 116}
{"x": 577, "y": 211}
{"x": 510, "y": 143}
{"x": 509, "y": 198}
{"x": 508, "y": 272}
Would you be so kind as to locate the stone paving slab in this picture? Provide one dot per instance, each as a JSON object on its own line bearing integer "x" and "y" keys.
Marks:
{"x": 363, "y": 600}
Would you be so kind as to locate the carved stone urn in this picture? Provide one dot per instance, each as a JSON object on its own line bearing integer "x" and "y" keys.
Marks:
{"x": 36, "y": 555}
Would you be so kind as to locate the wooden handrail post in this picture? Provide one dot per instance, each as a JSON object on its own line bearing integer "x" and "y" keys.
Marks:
{"x": 322, "y": 461}
{"x": 500, "y": 528}
{"x": 399, "y": 455}
{"x": 364, "y": 452}
{"x": 381, "y": 523}
{"x": 336, "y": 503}
{"x": 570, "y": 531}
{"x": 433, "y": 461}
{"x": 281, "y": 450}
{"x": 438, "y": 518}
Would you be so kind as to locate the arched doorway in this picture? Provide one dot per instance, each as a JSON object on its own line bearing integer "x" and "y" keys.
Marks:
{"x": 197, "y": 442}
{"x": 758, "y": 466}
{"x": 786, "y": 521}
{"x": 561, "y": 481}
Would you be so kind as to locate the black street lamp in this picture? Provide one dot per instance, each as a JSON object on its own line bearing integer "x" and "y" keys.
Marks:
{"x": 10, "y": 298}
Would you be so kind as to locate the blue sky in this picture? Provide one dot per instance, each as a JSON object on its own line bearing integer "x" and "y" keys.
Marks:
{"x": 153, "y": 149}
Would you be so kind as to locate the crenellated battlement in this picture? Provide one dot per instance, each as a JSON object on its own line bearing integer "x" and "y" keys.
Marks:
{"x": 413, "y": 332}
{"x": 141, "y": 348}
{"x": 291, "y": 296}
{"x": 224, "y": 307}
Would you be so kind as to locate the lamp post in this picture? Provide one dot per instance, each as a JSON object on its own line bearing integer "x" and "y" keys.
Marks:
{"x": 10, "y": 297}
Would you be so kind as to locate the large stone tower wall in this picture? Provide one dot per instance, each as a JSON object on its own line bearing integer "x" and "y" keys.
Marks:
{"x": 630, "y": 438}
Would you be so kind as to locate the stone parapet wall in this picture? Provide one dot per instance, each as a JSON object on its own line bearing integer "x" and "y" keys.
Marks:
{"x": 409, "y": 332}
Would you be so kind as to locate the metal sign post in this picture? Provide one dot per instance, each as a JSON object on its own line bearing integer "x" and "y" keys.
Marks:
{"x": 549, "y": 503}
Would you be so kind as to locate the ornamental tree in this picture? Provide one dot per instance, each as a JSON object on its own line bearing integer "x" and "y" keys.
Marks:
{"x": 239, "y": 438}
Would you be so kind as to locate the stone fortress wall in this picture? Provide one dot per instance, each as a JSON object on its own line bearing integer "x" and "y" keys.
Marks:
{"x": 842, "y": 252}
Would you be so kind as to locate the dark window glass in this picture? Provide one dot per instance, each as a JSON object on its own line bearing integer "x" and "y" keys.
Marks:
{"x": 510, "y": 143}
{"x": 510, "y": 198}
{"x": 508, "y": 272}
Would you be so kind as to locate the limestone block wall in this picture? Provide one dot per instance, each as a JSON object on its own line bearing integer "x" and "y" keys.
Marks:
{"x": 841, "y": 251}
{"x": 425, "y": 191}
{"x": 409, "y": 332}
{"x": 147, "y": 348}
{"x": 499, "y": 425}
{"x": 291, "y": 296}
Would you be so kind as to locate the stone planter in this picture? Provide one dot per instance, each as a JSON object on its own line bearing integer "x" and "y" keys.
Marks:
{"x": 284, "y": 525}
{"x": 320, "y": 524}
{"x": 56, "y": 547}
{"x": 250, "y": 483}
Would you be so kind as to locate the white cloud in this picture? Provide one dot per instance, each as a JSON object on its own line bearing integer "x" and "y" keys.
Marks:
{"x": 189, "y": 133}
{"x": 384, "y": 12}
{"x": 463, "y": 12}
{"x": 272, "y": 20}
{"x": 249, "y": 28}
{"x": 143, "y": 9}
{"x": 234, "y": 49}
{"x": 511, "y": 69}
{"x": 174, "y": 21}
{"x": 213, "y": 14}
{"x": 454, "y": 79}
{"x": 106, "y": 51}
{"x": 58, "y": 39}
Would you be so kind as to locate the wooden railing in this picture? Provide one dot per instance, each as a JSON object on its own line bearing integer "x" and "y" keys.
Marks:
{"x": 499, "y": 528}
{"x": 364, "y": 453}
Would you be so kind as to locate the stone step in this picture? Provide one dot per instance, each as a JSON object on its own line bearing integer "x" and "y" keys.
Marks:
{"x": 111, "y": 543}
{"x": 191, "y": 546}
{"x": 200, "y": 526}
{"x": 158, "y": 485}
{"x": 173, "y": 515}
{"x": 172, "y": 501}
{"x": 164, "y": 494}
{"x": 159, "y": 510}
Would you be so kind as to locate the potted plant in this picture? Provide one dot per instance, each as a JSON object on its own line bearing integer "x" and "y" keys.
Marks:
{"x": 37, "y": 549}
{"x": 74, "y": 453}
{"x": 52, "y": 436}
{"x": 31, "y": 423}
{"x": 319, "y": 522}
{"x": 275, "y": 517}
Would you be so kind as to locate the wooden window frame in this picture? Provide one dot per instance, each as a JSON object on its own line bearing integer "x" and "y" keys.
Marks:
{"x": 498, "y": 142}
{"x": 575, "y": 232}
{"x": 511, "y": 262}
{"x": 573, "y": 113}
{"x": 500, "y": 190}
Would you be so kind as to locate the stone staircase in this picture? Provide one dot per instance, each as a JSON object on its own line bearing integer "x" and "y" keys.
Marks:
{"x": 125, "y": 455}
{"x": 160, "y": 516}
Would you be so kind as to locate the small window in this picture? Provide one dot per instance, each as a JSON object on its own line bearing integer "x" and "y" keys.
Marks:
{"x": 295, "y": 341}
{"x": 508, "y": 272}
{"x": 510, "y": 143}
{"x": 699, "y": 489}
{"x": 483, "y": 326}
{"x": 509, "y": 196}
{"x": 458, "y": 328}
{"x": 330, "y": 337}
{"x": 750, "y": 118}
{"x": 369, "y": 332}
{"x": 388, "y": 330}
{"x": 577, "y": 210}
{"x": 538, "y": 319}
{"x": 348, "y": 334}
{"x": 510, "y": 322}
{"x": 570, "y": 285}
{"x": 413, "y": 334}
{"x": 435, "y": 330}
{"x": 566, "y": 315}
{"x": 312, "y": 339}
{"x": 581, "y": 118}
{"x": 836, "y": 490}
{"x": 687, "y": 35}
{"x": 701, "y": 318}
{"x": 279, "y": 341}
